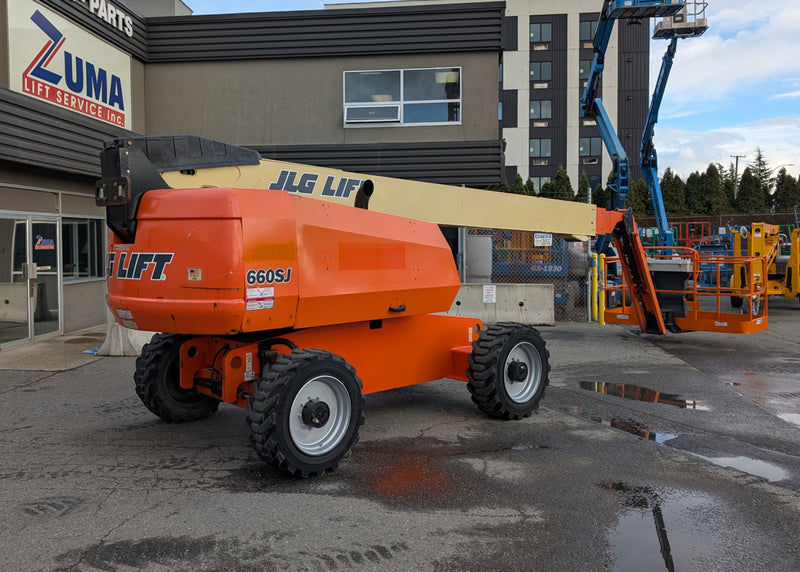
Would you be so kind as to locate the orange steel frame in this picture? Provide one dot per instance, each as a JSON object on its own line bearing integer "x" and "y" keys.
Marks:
{"x": 644, "y": 295}
{"x": 646, "y": 309}
{"x": 386, "y": 354}
{"x": 693, "y": 233}
{"x": 698, "y": 316}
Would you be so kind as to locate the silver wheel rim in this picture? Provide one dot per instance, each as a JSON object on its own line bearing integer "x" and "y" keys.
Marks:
{"x": 522, "y": 391}
{"x": 320, "y": 440}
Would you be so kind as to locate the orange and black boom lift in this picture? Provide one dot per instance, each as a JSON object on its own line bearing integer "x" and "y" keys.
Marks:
{"x": 290, "y": 307}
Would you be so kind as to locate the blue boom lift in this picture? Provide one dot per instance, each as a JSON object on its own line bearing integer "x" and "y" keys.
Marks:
{"x": 680, "y": 19}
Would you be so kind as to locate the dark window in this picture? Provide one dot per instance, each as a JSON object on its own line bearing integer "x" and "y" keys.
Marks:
{"x": 541, "y": 33}
{"x": 588, "y": 30}
{"x": 82, "y": 243}
{"x": 540, "y": 147}
{"x": 541, "y": 71}
{"x": 584, "y": 68}
{"x": 423, "y": 95}
{"x": 371, "y": 86}
{"x": 542, "y": 109}
{"x": 590, "y": 146}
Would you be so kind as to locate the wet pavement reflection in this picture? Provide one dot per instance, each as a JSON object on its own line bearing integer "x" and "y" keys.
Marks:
{"x": 771, "y": 472}
{"x": 636, "y": 428}
{"x": 639, "y": 393}
{"x": 624, "y": 424}
{"x": 657, "y": 531}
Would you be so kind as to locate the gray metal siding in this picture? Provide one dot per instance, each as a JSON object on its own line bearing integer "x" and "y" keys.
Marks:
{"x": 510, "y": 174}
{"x": 326, "y": 33}
{"x": 473, "y": 163}
{"x": 511, "y": 33}
{"x": 556, "y": 130}
{"x": 78, "y": 13}
{"x": 508, "y": 97}
{"x": 633, "y": 97}
{"x": 43, "y": 135}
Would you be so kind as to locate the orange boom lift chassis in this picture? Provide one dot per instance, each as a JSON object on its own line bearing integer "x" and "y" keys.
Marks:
{"x": 290, "y": 307}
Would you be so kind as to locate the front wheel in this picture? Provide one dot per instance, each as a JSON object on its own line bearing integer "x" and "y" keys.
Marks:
{"x": 305, "y": 413}
{"x": 158, "y": 382}
{"x": 508, "y": 370}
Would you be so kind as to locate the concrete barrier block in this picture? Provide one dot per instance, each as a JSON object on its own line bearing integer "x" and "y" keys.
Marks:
{"x": 525, "y": 303}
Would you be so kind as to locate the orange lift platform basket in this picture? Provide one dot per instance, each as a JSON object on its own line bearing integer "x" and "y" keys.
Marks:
{"x": 659, "y": 288}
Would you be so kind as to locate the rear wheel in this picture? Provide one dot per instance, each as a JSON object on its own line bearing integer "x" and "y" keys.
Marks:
{"x": 305, "y": 412}
{"x": 158, "y": 383}
{"x": 508, "y": 370}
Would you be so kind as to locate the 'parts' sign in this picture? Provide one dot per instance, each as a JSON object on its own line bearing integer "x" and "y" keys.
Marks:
{"x": 53, "y": 60}
{"x": 111, "y": 14}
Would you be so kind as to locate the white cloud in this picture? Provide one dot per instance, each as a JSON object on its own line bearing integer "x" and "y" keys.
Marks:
{"x": 790, "y": 95}
{"x": 686, "y": 151}
{"x": 749, "y": 45}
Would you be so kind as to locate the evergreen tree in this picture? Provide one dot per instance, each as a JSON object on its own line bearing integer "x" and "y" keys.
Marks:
{"x": 673, "y": 192}
{"x": 714, "y": 199}
{"x": 563, "y": 186}
{"x": 609, "y": 192}
{"x": 694, "y": 194}
{"x": 639, "y": 199}
{"x": 763, "y": 175}
{"x": 548, "y": 190}
{"x": 583, "y": 189}
{"x": 751, "y": 196}
{"x": 729, "y": 183}
{"x": 517, "y": 187}
{"x": 530, "y": 188}
{"x": 787, "y": 192}
{"x": 601, "y": 196}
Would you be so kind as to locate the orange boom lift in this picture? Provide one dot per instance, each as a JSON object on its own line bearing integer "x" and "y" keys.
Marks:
{"x": 290, "y": 307}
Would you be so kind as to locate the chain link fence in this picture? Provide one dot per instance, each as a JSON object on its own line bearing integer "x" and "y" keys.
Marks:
{"x": 520, "y": 257}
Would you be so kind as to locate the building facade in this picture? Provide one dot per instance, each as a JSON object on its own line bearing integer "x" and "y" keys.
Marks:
{"x": 403, "y": 91}
{"x": 547, "y": 56}
{"x": 545, "y": 68}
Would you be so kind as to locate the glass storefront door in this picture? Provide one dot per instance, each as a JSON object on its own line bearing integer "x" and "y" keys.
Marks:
{"x": 29, "y": 286}
{"x": 45, "y": 283}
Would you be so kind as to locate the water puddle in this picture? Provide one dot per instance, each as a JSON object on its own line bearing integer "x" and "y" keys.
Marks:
{"x": 790, "y": 417}
{"x": 627, "y": 425}
{"x": 636, "y": 428}
{"x": 655, "y": 532}
{"x": 772, "y": 473}
{"x": 639, "y": 393}
{"x": 769, "y": 389}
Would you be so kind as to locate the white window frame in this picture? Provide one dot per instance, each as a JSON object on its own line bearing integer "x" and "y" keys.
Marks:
{"x": 398, "y": 120}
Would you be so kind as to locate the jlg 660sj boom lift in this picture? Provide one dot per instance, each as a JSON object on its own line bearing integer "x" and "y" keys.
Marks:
{"x": 290, "y": 307}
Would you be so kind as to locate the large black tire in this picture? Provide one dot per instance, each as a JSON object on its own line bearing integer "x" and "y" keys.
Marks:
{"x": 508, "y": 370}
{"x": 157, "y": 380}
{"x": 305, "y": 412}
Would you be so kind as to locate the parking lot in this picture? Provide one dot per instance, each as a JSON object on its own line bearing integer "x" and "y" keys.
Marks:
{"x": 649, "y": 453}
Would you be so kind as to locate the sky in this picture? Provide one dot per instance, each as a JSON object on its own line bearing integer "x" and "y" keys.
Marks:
{"x": 731, "y": 90}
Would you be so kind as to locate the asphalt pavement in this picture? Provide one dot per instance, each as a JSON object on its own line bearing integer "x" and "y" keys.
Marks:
{"x": 679, "y": 452}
